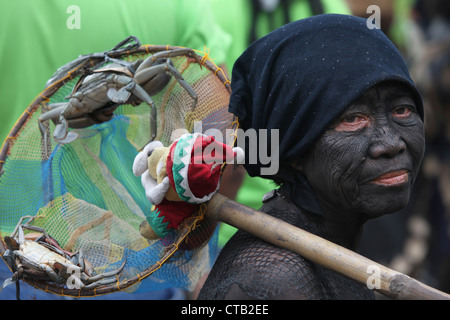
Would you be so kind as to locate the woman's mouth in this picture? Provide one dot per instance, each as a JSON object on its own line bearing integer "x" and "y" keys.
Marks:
{"x": 393, "y": 178}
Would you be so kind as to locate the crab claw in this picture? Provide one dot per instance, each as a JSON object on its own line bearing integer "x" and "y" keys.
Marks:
{"x": 108, "y": 274}
{"x": 70, "y": 137}
{"x": 119, "y": 96}
{"x": 102, "y": 279}
{"x": 6, "y": 283}
{"x": 62, "y": 134}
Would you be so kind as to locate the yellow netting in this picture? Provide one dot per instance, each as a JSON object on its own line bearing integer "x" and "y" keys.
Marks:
{"x": 86, "y": 192}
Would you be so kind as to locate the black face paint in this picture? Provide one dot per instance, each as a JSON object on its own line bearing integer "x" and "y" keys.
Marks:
{"x": 368, "y": 159}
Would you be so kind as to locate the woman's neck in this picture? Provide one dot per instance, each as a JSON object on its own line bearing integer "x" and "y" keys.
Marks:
{"x": 330, "y": 221}
{"x": 340, "y": 225}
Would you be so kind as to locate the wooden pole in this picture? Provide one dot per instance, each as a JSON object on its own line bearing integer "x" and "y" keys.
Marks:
{"x": 316, "y": 249}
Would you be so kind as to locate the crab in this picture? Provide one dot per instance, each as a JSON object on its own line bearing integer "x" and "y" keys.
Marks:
{"x": 39, "y": 256}
{"x": 93, "y": 59}
{"x": 98, "y": 94}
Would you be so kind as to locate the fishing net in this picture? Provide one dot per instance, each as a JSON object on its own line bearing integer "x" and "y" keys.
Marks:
{"x": 85, "y": 193}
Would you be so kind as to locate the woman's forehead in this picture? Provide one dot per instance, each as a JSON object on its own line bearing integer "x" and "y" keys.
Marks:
{"x": 387, "y": 89}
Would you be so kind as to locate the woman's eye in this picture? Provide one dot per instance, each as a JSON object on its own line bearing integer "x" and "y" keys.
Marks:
{"x": 402, "y": 112}
{"x": 352, "y": 123}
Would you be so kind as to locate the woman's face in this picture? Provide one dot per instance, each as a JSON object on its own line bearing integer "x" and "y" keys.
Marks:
{"x": 369, "y": 157}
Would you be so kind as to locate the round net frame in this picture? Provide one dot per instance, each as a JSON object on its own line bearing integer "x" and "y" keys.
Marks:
{"x": 85, "y": 193}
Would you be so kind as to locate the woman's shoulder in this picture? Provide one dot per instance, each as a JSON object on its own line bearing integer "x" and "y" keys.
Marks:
{"x": 252, "y": 268}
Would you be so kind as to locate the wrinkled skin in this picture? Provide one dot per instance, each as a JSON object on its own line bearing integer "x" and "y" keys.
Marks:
{"x": 363, "y": 166}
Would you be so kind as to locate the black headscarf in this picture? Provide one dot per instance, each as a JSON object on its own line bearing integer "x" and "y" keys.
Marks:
{"x": 302, "y": 76}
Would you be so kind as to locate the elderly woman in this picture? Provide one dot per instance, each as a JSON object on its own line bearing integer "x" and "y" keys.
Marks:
{"x": 351, "y": 140}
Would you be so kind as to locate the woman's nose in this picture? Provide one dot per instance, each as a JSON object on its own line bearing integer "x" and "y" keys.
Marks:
{"x": 386, "y": 143}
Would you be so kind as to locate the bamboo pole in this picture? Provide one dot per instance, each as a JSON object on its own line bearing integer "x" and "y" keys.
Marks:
{"x": 316, "y": 249}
